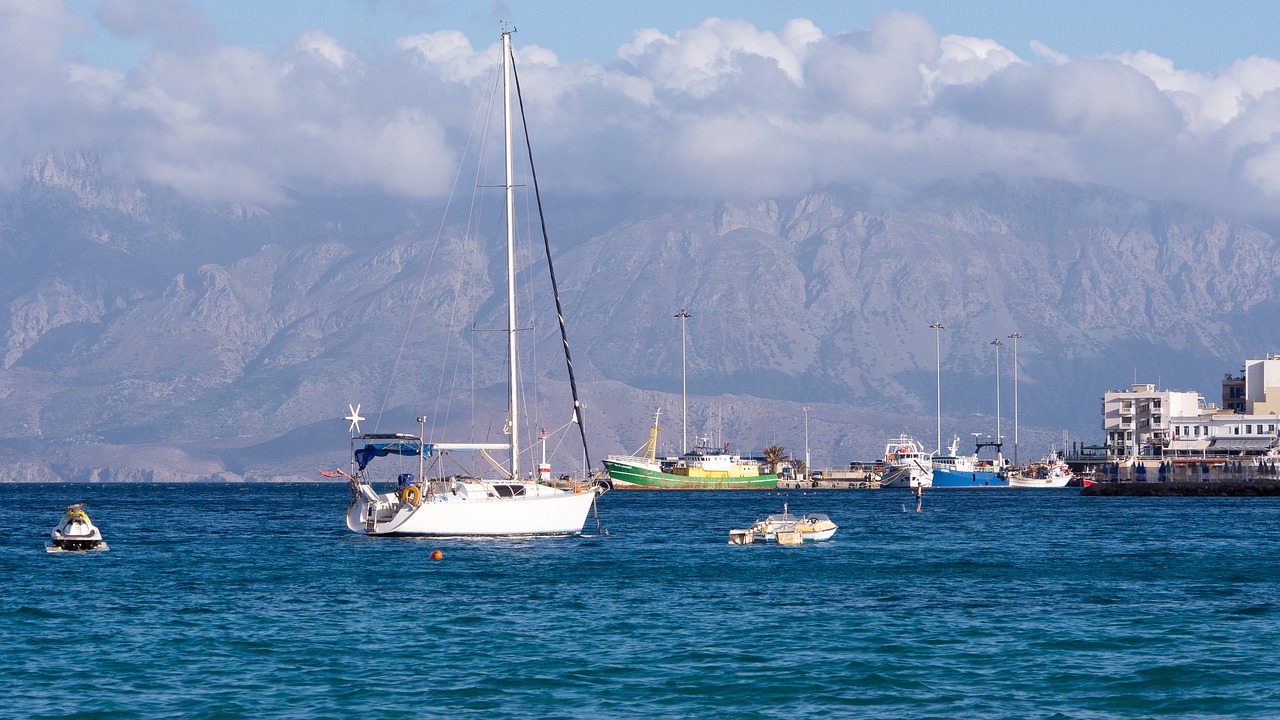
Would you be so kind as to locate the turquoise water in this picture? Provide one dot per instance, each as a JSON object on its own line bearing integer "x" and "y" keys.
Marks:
{"x": 255, "y": 601}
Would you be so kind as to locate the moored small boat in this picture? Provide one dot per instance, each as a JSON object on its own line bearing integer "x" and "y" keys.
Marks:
{"x": 75, "y": 533}
{"x": 786, "y": 529}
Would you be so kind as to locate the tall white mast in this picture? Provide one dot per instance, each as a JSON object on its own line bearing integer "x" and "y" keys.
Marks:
{"x": 511, "y": 261}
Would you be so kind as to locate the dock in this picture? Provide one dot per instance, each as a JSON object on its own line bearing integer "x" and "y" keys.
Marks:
{"x": 1182, "y": 489}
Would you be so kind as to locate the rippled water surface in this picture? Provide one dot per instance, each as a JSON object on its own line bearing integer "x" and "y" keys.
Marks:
{"x": 255, "y": 601}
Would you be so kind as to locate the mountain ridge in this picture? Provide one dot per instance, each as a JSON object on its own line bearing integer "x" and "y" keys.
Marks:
{"x": 138, "y": 319}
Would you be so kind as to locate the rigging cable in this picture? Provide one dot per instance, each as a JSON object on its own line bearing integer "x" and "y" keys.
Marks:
{"x": 555, "y": 290}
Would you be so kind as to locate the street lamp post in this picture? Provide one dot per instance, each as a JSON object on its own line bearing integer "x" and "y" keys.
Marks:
{"x": 684, "y": 388}
{"x": 937, "y": 354}
{"x": 997, "y": 343}
{"x": 807, "y": 470}
{"x": 1014, "y": 337}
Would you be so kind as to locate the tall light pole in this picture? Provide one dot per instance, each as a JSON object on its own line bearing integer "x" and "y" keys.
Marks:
{"x": 997, "y": 343}
{"x": 684, "y": 388}
{"x": 1014, "y": 337}
{"x": 807, "y": 470}
{"x": 937, "y": 347}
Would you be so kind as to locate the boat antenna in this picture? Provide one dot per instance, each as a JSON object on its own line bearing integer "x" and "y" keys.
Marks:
{"x": 555, "y": 286}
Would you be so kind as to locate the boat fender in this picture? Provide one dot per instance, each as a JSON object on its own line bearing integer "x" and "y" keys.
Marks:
{"x": 411, "y": 495}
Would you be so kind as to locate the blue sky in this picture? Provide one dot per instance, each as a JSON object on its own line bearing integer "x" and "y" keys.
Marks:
{"x": 1195, "y": 35}
{"x": 235, "y": 100}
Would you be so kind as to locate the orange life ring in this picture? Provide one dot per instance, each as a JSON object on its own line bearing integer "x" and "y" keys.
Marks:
{"x": 903, "y": 450}
{"x": 411, "y": 495}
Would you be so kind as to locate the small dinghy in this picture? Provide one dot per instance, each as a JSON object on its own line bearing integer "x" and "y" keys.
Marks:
{"x": 786, "y": 529}
{"x": 75, "y": 533}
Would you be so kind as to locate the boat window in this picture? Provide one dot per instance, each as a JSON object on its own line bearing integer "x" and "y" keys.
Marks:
{"x": 509, "y": 490}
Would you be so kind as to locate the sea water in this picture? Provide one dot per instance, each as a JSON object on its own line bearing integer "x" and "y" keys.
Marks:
{"x": 255, "y": 601}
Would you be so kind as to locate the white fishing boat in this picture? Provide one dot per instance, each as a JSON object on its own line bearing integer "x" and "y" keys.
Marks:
{"x": 447, "y": 498}
{"x": 906, "y": 464}
{"x": 1051, "y": 472}
{"x": 75, "y": 533}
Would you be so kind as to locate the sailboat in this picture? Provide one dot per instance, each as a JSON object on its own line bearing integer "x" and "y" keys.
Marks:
{"x": 464, "y": 504}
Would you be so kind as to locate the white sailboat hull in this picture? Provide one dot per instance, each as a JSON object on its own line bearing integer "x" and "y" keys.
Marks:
{"x": 542, "y": 510}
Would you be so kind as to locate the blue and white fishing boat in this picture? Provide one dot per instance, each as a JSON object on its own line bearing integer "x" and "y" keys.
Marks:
{"x": 955, "y": 470}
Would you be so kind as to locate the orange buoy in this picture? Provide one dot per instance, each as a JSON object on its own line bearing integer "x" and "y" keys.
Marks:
{"x": 437, "y": 555}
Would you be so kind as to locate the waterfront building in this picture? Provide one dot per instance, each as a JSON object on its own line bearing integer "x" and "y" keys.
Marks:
{"x": 1145, "y": 422}
{"x": 1140, "y": 417}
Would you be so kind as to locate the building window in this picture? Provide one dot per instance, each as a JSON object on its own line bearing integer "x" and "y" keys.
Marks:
{"x": 1155, "y": 403}
{"x": 1155, "y": 419}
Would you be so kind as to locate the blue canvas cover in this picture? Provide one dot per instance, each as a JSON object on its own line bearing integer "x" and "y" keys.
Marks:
{"x": 367, "y": 453}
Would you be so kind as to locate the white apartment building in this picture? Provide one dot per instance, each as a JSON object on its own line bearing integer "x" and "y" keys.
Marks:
{"x": 1140, "y": 417}
{"x": 1143, "y": 421}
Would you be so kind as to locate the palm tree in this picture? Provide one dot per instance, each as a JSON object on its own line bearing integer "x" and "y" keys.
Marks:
{"x": 775, "y": 455}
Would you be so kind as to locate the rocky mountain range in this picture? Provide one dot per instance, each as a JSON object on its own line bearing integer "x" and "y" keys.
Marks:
{"x": 147, "y": 336}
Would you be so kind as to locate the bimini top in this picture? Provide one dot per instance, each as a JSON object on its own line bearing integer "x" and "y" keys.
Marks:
{"x": 401, "y": 444}
{"x": 399, "y": 447}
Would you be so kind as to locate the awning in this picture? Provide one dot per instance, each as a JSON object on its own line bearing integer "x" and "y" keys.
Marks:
{"x": 1188, "y": 445}
{"x": 1242, "y": 443}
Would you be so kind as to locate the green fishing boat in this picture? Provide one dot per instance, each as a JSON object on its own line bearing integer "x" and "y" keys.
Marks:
{"x": 702, "y": 468}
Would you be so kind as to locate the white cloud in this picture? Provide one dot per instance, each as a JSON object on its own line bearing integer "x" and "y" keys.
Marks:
{"x": 449, "y": 53}
{"x": 1044, "y": 51}
{"x": 696, "y": 60}
{"x": 966, "y": 61}
{"x": 721, "y": 108}
{"x": 327, "y": 47}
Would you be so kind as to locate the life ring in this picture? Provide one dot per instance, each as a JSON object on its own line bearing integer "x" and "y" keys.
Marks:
{"x": 902, "y": 450}
{"x": 411, "y": 495}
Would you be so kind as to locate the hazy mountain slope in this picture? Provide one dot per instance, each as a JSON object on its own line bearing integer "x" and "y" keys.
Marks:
{"x": 133, "y": 317}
